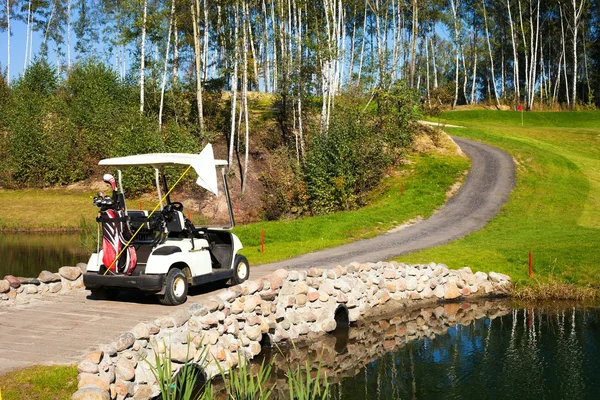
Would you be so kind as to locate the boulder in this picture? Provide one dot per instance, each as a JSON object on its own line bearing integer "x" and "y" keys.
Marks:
{"x": 14, "y": 282}
{"x": 55, "y": 287}
{"x": 452, "y": 291}
{"x": 91, "y": 393}
{"x": 48, "y": 277}
{"x": 125, "y": 369}
{"x": 88, "y": 367}
{"x": 70, "y": 273}
{"x": 82, "y": 266}
{"x": 4, "y": 286}
{"x": 124, "y": 341}
{"x": 29, "y": 281}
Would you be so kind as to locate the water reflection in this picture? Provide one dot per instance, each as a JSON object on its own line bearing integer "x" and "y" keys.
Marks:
{"x": 28, "y": 254}
{"x": 483, "y": 350}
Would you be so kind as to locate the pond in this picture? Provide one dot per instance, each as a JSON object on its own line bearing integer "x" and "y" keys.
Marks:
{"x": 457, "y": 351}
{"x": 27, "y": 254}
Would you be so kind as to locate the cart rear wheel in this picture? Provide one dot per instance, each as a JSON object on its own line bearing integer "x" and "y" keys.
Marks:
{"x": 241, "y": 269}
{"x": 176, "y": 288}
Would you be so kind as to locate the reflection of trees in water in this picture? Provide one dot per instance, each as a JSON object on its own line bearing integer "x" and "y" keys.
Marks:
{"x": 483, "y": 351}
{"x": 528, "y": 353}
{"x": 28, "y": 254}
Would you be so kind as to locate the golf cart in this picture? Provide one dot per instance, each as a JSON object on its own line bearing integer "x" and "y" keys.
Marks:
{"x": 161, "y": 251}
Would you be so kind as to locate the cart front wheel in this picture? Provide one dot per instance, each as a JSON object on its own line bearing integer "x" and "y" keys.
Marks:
{"x": 176, "y": 288}
{"x": 241, "y": 269}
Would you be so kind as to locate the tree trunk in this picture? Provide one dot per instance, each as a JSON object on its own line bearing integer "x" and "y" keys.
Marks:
{"x": 515, "y": 56}
{"x": 245, "y": 95}
{"x": 143, "y": 56}
{"x": 362, "y": 49}
{"x": 487, "y": 36}
{"x": 8, "y": 32}
{"x": 27, "y": 32}
{"x": 166, "y": 65}
{"x": 577, "y": 10}
{"x": 234, "y": 83}
{"x": 564, "y": 55}
{"x": 455, "y": 17}
{"x": 413, "y": 50}
{"x": 195, "y": 8}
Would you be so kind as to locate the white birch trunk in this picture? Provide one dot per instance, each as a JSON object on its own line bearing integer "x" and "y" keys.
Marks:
{"x": 27, "y": 32}
{"x": 515, "y": 56}
{"x": 68, "y": 35}
{"x": 487, "y": 36}
{"x": 143, "y": 57}
{"x": 245, "y": 97}
{"x": 564, "y": 51}
{"x": 234, "y": 83}
{"x": 8, "y": 32}
{"x": 577, "y": 10}
{"x": 166, "y": 66}
{"x": 364, "y": 39}
{"x": 455, "y": 17}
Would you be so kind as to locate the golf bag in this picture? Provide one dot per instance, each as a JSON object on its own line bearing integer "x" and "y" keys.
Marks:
{"x": 115, "y": 233}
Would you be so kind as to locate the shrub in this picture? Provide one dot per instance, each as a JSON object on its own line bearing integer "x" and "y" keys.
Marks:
{"x": 343, "y": 164}
{"x": 96, "y": 100}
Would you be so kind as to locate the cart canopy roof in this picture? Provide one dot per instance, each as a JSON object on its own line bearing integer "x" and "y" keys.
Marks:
{"x": 157, "y": 160}
{"x": 204, "y": 164}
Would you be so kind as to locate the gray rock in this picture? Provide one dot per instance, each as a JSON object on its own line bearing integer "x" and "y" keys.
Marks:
{"x": 29, "y": 281}
{"x": 253, "y": 332}
{"x": 4, "y": 286}
{"x": 301, "y": 287}
{"x": 70, "y": 273}
{"x": 141, "y": 331}
{"x": 124, "y": 341}
{"x": 181, "y": 317}
{"x": 182, "y": 353}
{"x": 452, "y": 291}
{"x": 55, "y": 287}
{"x": 198, "y": 309}
{"x": 90, "y": 393}
{"x": 411, "y": 283}
{"x": 48, "y": 277}
{"x": 30, "y": 289}
{"x": 125, "y": 369}
{"x": 82, "y": 266}
{"x": 329, "y": 325}
{"x": 87, "y": 366}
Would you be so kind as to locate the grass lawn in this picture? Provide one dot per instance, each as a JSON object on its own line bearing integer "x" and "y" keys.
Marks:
{"x": 39, "y": 383}
{"x": 554, "y": 211}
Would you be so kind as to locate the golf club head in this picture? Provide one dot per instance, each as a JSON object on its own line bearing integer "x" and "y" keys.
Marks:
{"x": 108, "y": 178}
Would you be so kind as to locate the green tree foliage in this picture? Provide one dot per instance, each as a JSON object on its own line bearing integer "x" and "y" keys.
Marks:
{"x": 54, "y": 131}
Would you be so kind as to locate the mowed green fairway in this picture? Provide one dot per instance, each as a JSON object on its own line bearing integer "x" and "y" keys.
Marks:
{"x": 554, "y": 211}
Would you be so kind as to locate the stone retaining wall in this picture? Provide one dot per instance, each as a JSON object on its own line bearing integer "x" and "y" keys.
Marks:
{"x": 24, "y": 290}
{"x": 283, "y": 306}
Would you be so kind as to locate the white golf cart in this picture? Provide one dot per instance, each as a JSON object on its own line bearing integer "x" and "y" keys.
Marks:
{"x": 161, "y": 251}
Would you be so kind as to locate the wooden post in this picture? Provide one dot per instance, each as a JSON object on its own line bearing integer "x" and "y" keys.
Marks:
{"x": 262, "y": 240}
{"x": 530, "y": 265}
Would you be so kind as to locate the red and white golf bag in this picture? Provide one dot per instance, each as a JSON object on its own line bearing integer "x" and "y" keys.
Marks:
{"x": 114, "y": 227}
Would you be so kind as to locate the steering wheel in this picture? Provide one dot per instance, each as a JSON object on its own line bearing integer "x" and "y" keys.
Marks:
{"x": 177, "y": 206}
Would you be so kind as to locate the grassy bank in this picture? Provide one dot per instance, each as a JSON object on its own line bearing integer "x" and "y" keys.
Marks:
{"x": 554, "y": 211}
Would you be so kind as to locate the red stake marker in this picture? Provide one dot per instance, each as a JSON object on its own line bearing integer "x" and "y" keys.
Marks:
{"x": 140, "y": 206}
{"x": 262, "y": 240}
{"x": 530, "y": 265}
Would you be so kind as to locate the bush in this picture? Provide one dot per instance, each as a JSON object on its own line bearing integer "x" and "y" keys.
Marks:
{"x": 96, "y": 100}
{"x": 342, "y": 165}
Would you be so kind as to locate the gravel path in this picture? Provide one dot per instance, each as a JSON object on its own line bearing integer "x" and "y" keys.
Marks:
{"x": 487, "y": 187}
{"x": 63, "y": 329}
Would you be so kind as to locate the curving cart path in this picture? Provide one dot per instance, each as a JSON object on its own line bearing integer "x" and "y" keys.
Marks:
{"x": 62, "y": 330}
